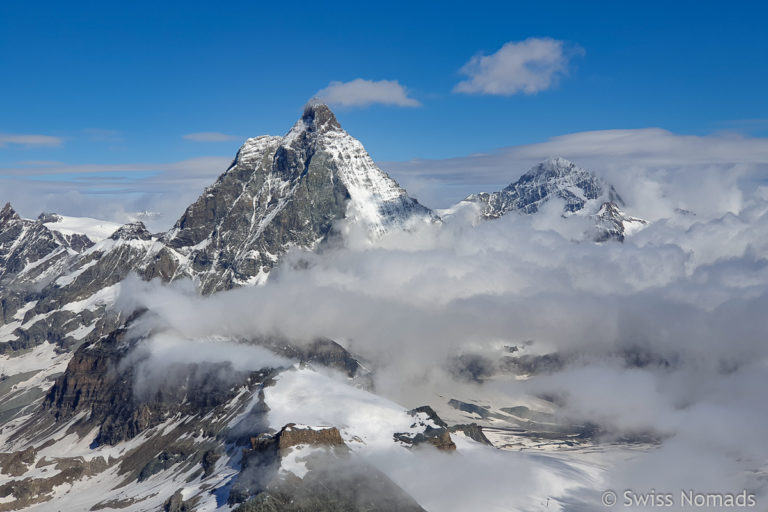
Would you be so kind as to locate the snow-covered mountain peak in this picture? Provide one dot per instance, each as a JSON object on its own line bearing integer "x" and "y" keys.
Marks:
{"x": 319, "y": 118}
{"x": 8, "y": 213}
{"x": 582, "y": 192}
{"x": 316, "y": 120}
{"x": 132, "y": 231}
{"x": 283, "y": 192}
{"x": 555, "y": 164}
{"x": 557, "y": 177}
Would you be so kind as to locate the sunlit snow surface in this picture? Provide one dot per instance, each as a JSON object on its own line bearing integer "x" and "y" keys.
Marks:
{"x": 94, "y": 229}
{"x": 475, "y": 477}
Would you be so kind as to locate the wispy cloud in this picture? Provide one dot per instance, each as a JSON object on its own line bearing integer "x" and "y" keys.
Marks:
{"x": 362, "y": 93}
{"x": 210, "y": 137}
{"x": 528, "y": 66}
{"x": 29, "y": 140}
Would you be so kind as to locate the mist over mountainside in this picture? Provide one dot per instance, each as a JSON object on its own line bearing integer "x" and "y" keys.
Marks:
{"x": 309, "y": 337}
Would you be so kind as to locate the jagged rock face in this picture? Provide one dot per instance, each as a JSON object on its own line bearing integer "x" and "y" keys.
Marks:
{"x": 286, "y": 191}
{"x": 97, "y": 384}
{"x": 613, "y": 224}
{"x": 132, "y": 231}
{"x": 434, "y": 430}
{"x": 552, "y": 178}
{"x": 29, "y": 251}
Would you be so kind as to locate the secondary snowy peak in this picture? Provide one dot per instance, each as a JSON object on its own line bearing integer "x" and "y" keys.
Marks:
{"x": 283, "y": 192}
{"x": 552, "y": 178}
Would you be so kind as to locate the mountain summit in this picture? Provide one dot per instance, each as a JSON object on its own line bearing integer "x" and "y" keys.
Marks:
{"x": 552, "y": 178}
{"x": 287, "y": 191}
{"x": 583, "y": 192}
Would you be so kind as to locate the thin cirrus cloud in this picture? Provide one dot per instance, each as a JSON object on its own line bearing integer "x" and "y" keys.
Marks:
{"x": 209, "y": 137}
{"x": 363, "y": 93}
{"x": 528, "y": 66}
{"x": 29, "y": 140}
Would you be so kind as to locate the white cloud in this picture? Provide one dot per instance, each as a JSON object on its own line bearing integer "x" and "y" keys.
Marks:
{"x": 29, "y": 140}
{"x": 362, "y": 93}
{"x": 527, "y": 66}
{"x": 210, "y": 137}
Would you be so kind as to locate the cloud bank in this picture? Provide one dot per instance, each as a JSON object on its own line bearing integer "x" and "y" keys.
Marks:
{"x": 363, "y": 93}
{"x": 528, "y": 67}
{"x": 662, "y": 336}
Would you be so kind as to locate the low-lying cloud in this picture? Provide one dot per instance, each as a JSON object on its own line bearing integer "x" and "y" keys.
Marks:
{"x": 661, "y": 337}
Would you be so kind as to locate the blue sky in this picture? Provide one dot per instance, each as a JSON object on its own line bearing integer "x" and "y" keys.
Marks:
{"x": 106, "y": 83}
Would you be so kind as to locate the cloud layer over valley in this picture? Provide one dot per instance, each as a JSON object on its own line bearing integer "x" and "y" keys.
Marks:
{"x": 660, "y": 339}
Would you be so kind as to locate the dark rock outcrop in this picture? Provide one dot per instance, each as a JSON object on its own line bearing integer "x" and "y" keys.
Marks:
{"x": 435, "y": 431}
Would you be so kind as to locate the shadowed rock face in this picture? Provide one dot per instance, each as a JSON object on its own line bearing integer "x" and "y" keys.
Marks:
{"x": 291, "y": 435}
{"x": 434, "y": 430}
{"x": 335, "y": 479}
{"x": 98, "y": 382}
